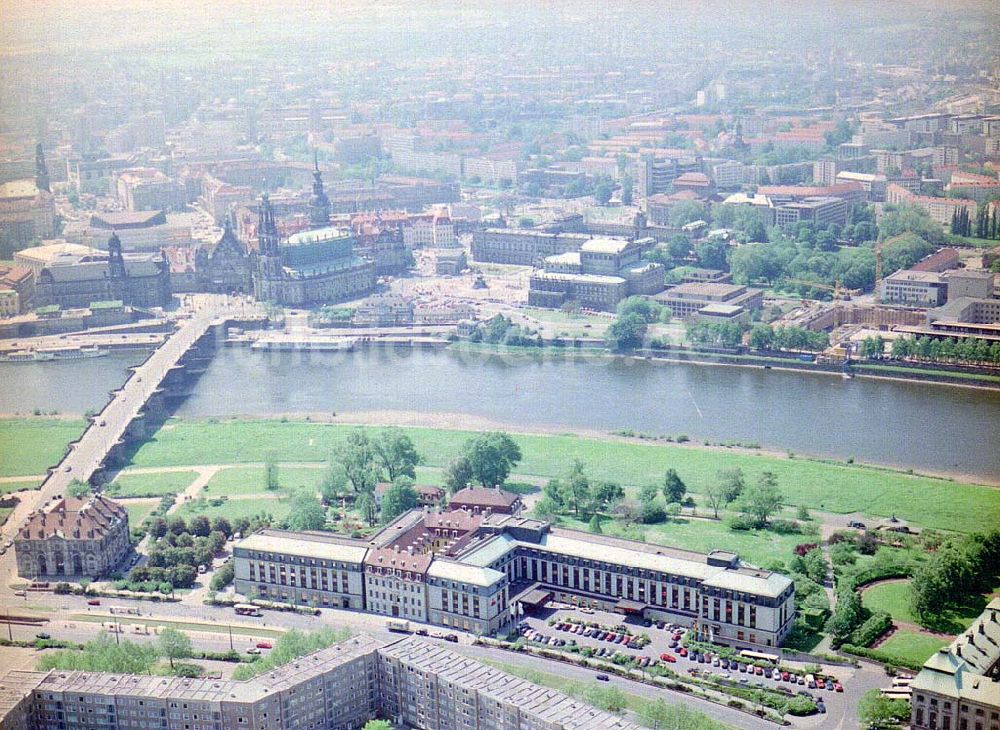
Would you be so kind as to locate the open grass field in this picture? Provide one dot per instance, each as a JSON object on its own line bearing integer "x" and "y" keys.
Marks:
{"x": 242, "y": 481}
{"x": 234, "y": 508}
{"x": 912, "y": 646}
{"x": 759, "y": 547}
{"x": 31, "y": 445}
{"x": 137, "y": 512}
{"x": 17, "y": 486}
{"x": 151, "y": 485}
{"x": 827, "y": 485}
{"x": 894, "y": 599}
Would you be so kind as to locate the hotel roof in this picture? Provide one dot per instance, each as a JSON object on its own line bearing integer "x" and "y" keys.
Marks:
{"x": 306, "y": 544}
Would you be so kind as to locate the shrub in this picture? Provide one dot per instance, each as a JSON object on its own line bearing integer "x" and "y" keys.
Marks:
{"x": 785, "y": 527}
{"x": 739, "y": 522}
{"x": 800, "y": 706}
{"x": 881, "y": 656}
{"x": 870, "y": 630}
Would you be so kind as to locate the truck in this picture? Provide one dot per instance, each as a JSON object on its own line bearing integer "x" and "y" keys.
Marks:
{"x": 398, "y": 625}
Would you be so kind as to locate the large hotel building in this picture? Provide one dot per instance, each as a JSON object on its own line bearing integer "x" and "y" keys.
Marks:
{"x": 479, "y": 572}
{"x": 413, "y": 682}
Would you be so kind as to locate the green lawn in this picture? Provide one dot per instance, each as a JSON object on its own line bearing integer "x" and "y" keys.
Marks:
{"x": 31, "y": 445}
{"x": 249, "y": 480}
{"x": 756, "y": 546}
{"x": 137, "y": 512}
{"x": 894, "y": 599}
{"x": 235, "y": 508}
{"x": 5, "y": 513}
{"x": 151, "y": 485}
{"x": 6, "y": 487}
{"x": 832, "y": 486}
{"x": 912, "y": 646}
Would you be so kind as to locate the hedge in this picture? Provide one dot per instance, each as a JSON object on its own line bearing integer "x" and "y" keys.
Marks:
{"x": 866, "y": 634}
{"x": 881, "y": 656}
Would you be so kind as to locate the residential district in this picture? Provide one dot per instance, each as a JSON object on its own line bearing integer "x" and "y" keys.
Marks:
{"x": 824, "y": 201}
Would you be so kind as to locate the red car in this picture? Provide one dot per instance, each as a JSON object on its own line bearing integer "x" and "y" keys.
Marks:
{"x": 669, "y": 658}
{"x": 758, "y": 671}
{"x": 683, "y": 651}
{"x": 838, "y": 687}
{"x": 93, "y": 602}
{"x": 265, "y": 645}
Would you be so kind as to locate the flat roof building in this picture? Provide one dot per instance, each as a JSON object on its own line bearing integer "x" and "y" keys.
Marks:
{"x": 686, "y": 300}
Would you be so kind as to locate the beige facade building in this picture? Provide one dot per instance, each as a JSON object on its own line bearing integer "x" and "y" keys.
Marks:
{"x": 26, "y": 213}
{"x": 687, "y": 300}
{"x": 959, "y": 687}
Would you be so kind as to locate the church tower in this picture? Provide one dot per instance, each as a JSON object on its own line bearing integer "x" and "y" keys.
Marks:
{"x": 41, "y": 170}
{"x": 319, "y": 204}
{"x": 117, "y": 275}
{"x": 267, "y": 273}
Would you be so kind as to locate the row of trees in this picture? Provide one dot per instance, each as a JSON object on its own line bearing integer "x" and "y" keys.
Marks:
{"x": 932, "y": 349}
{"x": 766, "y": 337}
{"x": 986, "y": 224}
{"x": 634, "y": 315}
{"x": 106, "y": 655}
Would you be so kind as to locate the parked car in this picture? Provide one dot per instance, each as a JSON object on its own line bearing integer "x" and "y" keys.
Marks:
{"x": 602, "y": 678}
{"x": 453, "y": 638}
{"x": 829, "y": 685}
{"x": 821, "y": 708}
{"x": 857, "y": 525}
{"x": 265, "y": 645}
{"x": 94, "y": 602}
{"x": 837, "y": 686}
{"x": 421, "y": 632}
{"x": 683, "y": 651}
{"x": 253, "y": 650}
{"x": 43, "y": 635}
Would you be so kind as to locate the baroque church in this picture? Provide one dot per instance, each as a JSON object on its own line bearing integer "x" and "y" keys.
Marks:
{"x": 314, "y": 266}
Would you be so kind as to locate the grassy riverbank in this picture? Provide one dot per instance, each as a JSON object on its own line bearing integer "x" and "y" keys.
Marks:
{"x": 817, "y": 484}
{"x": 827, "y": 485}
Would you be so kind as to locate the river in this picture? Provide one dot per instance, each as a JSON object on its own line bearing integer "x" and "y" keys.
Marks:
{"x": 908, "y": 424}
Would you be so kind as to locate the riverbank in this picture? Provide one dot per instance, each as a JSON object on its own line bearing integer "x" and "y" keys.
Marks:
{"x": 874, "y": 370}
{"x": 836, "y": 487}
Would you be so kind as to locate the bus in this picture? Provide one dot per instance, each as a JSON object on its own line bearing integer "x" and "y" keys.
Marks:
{"x": 759, "y": 656}
{"x": 125, "y": 611}
{"x": 247, "y": 609}
{"x": 395, "y": 624}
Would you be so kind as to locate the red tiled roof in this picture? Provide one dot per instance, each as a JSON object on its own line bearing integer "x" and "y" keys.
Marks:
{"x": 72, "y": 517}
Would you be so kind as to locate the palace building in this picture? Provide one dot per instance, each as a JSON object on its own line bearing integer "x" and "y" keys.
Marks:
{"x": 310, "y": 267}
{"x": 73, "y": 537}
{"x": 479, "y": 571}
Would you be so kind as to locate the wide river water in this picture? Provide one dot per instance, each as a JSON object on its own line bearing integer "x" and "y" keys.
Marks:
{"x": 919, "y": 425}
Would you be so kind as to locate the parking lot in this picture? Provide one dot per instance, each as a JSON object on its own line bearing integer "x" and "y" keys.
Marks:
{"x": 617, "y": 634}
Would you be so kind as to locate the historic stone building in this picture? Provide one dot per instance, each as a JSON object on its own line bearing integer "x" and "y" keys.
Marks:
{"x": 27, "y": 209}
{"x": 310, "y": 267}
{"x": 73, "y": 537}
{"x": 76, "y": 277}
{"x": 223, "y": 268}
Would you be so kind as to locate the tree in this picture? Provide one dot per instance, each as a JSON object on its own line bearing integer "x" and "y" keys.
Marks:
{"x": 200, "y": 526}
{"x": 458, "y": 474}
{"x": 604, "y": 495}
{"x": 595, "y": 525}
{"x": 627, "y": 190}
{"x": 576, "y": 488}
{"x": 626, "y": 333}
{"x": 609, "y": 699}
{"x": 546, "y": 508}
{"x": 78, "y": 489}
{"x": 644, "y": 307}
{"x": 334, "y": 482}
{"x": 399, "y": 498}
{"x": 881, "y": 713}
{"x": 648, "y": 492}
{"x": 652, "y": 513}
{"x": 716, "y": 493}
{"x": 223, "y": 576}
{"x": 734, "y": 482}
{"x": 158, "y": 527}
{"x": 712, "y": 254}
{"x": 306, "y": 512}
{"x": 673, "y": 488}
{"x": 846, "y": 617}
{"x": 377, "y": 725}
{"x": 357, "y": 457}
{"x": 602, "y": 193}
{"x": 221, "y": 524}
{"x": 761, "y": 337}
{"x": 679, "y": 246}
{"x": 174, "y": 645}
{"x": 395, "y": 453}
{"x": 816, "y": 566}
{"x": 367, "y": 507}
{"x": 761, "y": 499}
{"x": 491, "y": 457}
{"x": 271, "y": 474}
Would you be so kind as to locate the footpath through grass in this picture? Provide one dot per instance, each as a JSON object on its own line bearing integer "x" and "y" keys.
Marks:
{"x": 31, "y": 445}
{"x": 827, "y": 485}
{"x": 894, "y": 598}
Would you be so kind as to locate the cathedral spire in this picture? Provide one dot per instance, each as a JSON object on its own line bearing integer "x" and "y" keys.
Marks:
{"x": 267, "y": 230}
{"x": 116, "y": 259}
{"x": 41, "y": 170}
{"x": 319, "y": 203}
